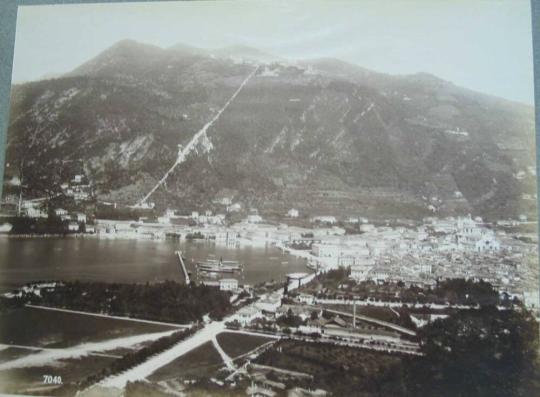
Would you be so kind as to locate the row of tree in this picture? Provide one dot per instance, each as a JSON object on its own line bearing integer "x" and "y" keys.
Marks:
{"x": 132, "y": 359}
{"x": 455, "y": 291}
{"x": 168, "y": 301}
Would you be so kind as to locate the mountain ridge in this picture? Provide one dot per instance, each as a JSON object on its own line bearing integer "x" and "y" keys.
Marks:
{"x": 346, "y": 137}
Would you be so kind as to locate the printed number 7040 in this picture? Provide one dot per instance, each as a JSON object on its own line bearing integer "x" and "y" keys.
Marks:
{"x": 52, "y": 380}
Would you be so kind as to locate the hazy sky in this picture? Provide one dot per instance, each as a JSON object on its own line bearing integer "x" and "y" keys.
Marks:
{"x": 484, "y": 45}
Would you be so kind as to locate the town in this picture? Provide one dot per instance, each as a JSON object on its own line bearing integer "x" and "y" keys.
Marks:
{"x": 413, "y": 253}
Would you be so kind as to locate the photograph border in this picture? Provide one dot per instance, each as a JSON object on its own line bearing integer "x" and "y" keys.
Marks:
{"x": 8, "y": 21}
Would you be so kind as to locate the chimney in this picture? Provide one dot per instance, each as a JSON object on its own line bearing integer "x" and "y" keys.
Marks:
{"x": 354, "y": 315}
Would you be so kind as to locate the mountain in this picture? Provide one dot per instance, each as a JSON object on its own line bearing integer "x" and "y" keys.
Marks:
{"x": 245, "y": 53}
{"x": 321, "y": 135}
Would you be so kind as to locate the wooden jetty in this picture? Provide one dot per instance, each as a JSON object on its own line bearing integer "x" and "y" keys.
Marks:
{"x": 183, "y": 265}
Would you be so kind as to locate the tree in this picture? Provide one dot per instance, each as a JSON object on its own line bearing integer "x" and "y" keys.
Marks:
{"x": 486, "y": 352}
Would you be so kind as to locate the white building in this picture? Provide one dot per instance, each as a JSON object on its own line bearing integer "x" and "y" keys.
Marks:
{"x": 359, "y": 273}
{"x": 324, "y": 219}
{"x": 223, "y": 200}
{"x": 170, "y": 213}
{"x": 228, "y": 238}
{"x": 326, "y": 250}
{"x": 379, "y": 275}
{"x": 236, "y": 207}
{"x": 228, "y": 284}
{"x": 247, "y": 314}
{"x": 164, "y": 220}
{"x": 254, "y": 218}
{"x": 121, "y": 227}
{"x": 269, "y": 303}
{"x": 80, "y": 217}
{"x": 487, "y": 243}
{"x": 306, "y": 298}
{"x": 14, "y": 181}
{"x": 60, "y": 212}
{"x": 35, "y": 212}
{"x": 425, "y": 267}
{"x": 367, "y": 227}
{"x": 466, "y": 226}
{"x": 73, "y": 226}
{"x": 293, "y": 213}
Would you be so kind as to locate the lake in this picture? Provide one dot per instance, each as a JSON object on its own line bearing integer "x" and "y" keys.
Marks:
{"x": 23, "y": 260}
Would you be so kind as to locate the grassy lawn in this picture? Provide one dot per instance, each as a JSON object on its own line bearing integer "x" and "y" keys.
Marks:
{"x": 59, "y": 329}
{"x": 204, "y": 361}
{"x": 11, "y": 353}
{"x": 237, "y": 344}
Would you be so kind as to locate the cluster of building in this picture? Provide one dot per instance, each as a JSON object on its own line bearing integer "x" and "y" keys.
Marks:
{"x": 75, "y": 221}
{"x": 171, "y": 217}
{"x": 416, "y": 255}
{"x": 224, "y": 284}
{"x": 446, "y": 248}
{"x": 440, "y": 248}
{"x": 78, "y": 188}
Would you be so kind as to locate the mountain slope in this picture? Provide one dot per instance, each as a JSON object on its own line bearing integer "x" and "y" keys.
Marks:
{"x": 324, "y": 136}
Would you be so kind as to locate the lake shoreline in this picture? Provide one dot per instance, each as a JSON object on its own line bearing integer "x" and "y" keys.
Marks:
{"x": 90, "y": 258}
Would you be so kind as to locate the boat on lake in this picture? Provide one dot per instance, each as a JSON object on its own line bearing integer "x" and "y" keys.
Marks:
{"x": 219, "y": 266}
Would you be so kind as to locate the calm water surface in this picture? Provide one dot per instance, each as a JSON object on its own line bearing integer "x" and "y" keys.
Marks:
{"x": 92, "y": 259}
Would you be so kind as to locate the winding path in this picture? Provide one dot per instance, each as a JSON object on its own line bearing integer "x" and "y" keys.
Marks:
{"x": 224, "y": 356}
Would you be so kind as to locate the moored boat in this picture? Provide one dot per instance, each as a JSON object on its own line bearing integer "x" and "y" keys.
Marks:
{"x": 221, "y": 266}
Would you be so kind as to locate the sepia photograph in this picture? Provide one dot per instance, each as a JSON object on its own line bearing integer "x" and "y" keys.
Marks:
{"x": 271, "y": 199}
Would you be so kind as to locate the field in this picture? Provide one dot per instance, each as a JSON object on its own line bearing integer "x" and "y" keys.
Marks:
{"x": 46, "y": 328}
{"x": 11, "y": 353}
{"x": 237, "y": 344}
{"x": 200, "y": 362}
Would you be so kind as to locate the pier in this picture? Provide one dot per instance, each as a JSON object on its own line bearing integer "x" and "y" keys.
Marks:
{"x": 184, "y": 269}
